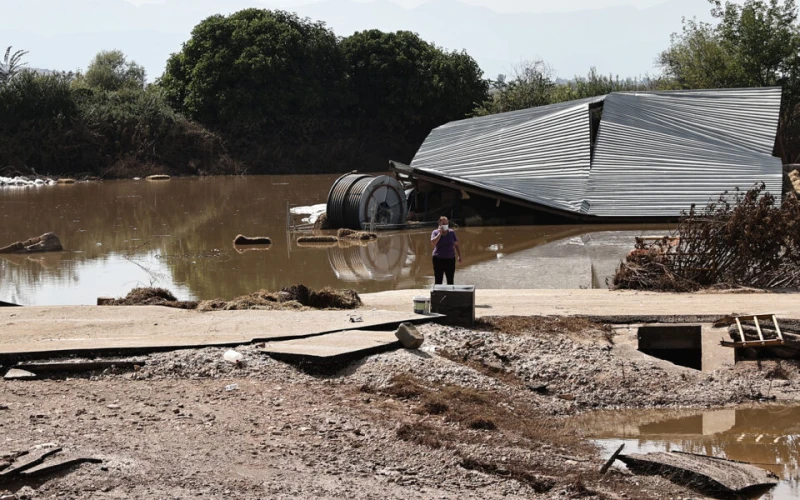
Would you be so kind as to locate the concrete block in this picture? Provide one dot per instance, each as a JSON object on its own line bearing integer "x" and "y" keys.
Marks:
{"x": 408, "y": 335}
{"x": 17, "y": 374}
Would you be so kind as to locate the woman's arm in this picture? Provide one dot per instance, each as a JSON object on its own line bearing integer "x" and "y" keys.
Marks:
{"x": 458, "y": 250}
{"x": 435, "y": 239}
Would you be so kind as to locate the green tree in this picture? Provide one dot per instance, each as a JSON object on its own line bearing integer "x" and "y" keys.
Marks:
{"x": 754, "y": 44}
{"x": 597, "y": 84}
{"x": 532, "y": 85}
{"x": 111, "y": 71}
{"x": 256, "y": 66}
{"x": 405, "y": 85}
{"x": 11, "y": 65}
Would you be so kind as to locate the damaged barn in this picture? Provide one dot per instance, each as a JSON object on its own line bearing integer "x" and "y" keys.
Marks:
{"x": 626, "y": 156}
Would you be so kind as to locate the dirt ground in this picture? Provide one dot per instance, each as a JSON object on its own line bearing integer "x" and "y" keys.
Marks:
{"x": 476, "y": 413}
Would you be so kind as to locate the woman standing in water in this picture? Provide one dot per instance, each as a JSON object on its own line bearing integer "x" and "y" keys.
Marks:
{"x": 445, "y": 250}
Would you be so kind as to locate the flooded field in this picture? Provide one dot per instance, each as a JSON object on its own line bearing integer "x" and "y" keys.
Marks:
{"x": 765, "y": 436}
{"x": 178, "y": 234}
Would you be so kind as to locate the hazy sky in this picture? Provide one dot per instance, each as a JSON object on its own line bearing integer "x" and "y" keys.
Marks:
{"x": 619, "y": 37}
{"x": 497, "y": 5}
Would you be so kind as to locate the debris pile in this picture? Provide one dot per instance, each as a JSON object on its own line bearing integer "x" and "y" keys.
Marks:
{"x": 794, "y": 178}
{"x": 252, "y": 240}
{"x": 748, "y": 239}
{"x": 295, "y": 297}
{"x": 349, "y": 234}
{"x": 149, "y": 296}
{"x": 48, "y": 242}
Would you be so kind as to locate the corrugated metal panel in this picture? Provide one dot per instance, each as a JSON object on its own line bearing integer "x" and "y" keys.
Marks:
{"x": 540, "y": 154}
{"x": 657, "y": 153}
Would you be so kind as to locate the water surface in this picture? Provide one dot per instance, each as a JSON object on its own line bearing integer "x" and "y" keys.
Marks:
{"x": 767, "y": 436}
{"x": 178, "y": 234}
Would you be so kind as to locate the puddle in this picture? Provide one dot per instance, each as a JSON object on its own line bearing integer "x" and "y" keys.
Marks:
{"x": 766, "y": 436}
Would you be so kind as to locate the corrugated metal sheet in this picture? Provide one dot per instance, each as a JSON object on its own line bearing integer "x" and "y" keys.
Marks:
{"x": 539, "y": 154}
{"x": 657, "y": 153}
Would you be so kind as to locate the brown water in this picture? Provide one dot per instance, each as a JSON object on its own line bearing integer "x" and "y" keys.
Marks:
{"x": 768, "y": 436}
{"x": 178, "y": 234}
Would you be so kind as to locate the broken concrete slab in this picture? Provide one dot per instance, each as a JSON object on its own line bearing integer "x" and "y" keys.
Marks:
{"x": 79, "y": 366}
{"x": 333, "y": 347}
{"x": 30, "y": 462}
{"x": 44, "y": 332}
{"x": 409, "y": 336}
{"x": 17, "y": 374}
{"x": 707, "y": 474}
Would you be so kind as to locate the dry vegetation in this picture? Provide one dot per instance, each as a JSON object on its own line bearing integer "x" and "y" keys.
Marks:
{"x": 295, "y": 297}
{"x": 455, "y": 417}
{"x": 522, "y": 325}
{"x": 748, "y": 239}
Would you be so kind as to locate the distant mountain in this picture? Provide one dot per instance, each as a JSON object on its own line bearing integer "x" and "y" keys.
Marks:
{"x": 618, "y": 40}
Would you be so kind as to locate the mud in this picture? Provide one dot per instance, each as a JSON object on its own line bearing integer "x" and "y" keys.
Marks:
{"x": 476, "y": 413}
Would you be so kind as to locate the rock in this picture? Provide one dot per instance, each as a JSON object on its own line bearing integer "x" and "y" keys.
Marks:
{"x": 48, "y": 242}
{"x": 17, "y": 374}
{"x": 408, "y": 335}
{"x": 105, "y": 301}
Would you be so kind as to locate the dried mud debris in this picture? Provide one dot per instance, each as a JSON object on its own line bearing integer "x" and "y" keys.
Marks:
{"x": 395, "y": 425}
{"x": 295, "y": 297}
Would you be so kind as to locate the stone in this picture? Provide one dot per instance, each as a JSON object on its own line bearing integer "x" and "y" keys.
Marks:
{"x": 105, "y": 301}
{"x": 17, "y": 374}
{"x": 409, "y": 336}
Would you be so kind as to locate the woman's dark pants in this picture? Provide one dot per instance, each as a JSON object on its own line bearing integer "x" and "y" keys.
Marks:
{"x": 442, "y": 267}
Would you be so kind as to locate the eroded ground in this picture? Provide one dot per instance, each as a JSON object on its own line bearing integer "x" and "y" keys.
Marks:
{"x": 477, "y": 413}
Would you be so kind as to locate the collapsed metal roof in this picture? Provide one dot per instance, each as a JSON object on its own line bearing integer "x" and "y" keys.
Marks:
{"x": 654, "y": 154}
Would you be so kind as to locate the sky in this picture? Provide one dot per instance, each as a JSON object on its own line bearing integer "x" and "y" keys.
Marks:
{"x": 618, "y": 37}
{"x": 496, "y": 5}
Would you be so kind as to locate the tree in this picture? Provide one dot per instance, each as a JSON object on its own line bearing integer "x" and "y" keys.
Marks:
{"x": 403, "y": 84}
{"x": 11, "y": 65}
{"x": 754, "y": 44}
{"x": 531, "y": 86}
{"x": 111, "y": 71}
{"x": 256, "y": 66}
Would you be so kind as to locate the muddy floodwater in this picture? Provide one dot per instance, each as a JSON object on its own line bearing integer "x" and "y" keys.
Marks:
{"x": 767, "y": 436}
{"x": 178, "y": 234}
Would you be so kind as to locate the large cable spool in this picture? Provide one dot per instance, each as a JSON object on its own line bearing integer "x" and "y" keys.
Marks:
{"x": 336, "y": 199}
{"x": 356, "y": 199}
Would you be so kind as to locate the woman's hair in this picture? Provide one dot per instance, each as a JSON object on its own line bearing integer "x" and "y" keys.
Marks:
{"x": 442, "y": 217}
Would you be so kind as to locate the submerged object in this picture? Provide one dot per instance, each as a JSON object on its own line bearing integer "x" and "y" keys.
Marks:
{"x": 356, "y": 200}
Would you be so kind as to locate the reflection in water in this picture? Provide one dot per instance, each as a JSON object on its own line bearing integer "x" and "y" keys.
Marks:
{"x": 179, "y": 234}
{"x": 381, "y": 260}
{"x": 766, "y": 436}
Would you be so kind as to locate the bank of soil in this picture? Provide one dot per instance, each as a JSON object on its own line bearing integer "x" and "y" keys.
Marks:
{"x": 476, "y": 413}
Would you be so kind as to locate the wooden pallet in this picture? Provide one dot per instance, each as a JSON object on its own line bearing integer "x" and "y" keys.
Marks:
{"x": 761, "y": 342}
